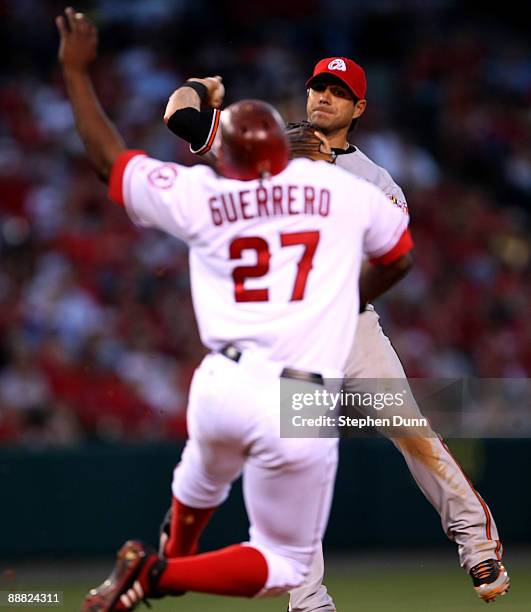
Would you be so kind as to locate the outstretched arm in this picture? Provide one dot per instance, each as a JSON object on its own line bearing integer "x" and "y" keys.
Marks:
{"x": 78, "y": 48}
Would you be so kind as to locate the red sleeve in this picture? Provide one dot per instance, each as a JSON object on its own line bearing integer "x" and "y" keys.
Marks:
{"x": 116, "y": 193}
{"x": 403, "y": 246}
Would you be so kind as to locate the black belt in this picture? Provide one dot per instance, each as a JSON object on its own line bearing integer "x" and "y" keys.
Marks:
{"x": 231, "y": 352}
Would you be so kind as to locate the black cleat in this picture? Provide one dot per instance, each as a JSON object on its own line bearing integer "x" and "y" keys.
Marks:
{"x": 490, "y": 579}
{"x": 124, "y": 589}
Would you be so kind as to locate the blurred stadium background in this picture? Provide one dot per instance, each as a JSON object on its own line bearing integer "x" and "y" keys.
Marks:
{"x": 97, "y": 335}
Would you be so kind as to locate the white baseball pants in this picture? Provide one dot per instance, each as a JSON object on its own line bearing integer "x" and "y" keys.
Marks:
{"x": 234, "y": 427}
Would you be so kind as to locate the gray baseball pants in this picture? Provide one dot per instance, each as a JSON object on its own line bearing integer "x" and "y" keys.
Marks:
{"x": 465, "y": 517}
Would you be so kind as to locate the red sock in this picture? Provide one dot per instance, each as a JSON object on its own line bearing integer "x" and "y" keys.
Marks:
{"x": 240, "y": 571}
{"x": 187, "y": 524}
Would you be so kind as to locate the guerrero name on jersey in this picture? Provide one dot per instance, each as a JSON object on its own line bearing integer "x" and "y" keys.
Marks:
{"x": 271, "y": 257}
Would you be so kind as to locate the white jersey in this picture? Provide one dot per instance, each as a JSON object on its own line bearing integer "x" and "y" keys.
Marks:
{"x": 354, "y": 161}
{"x": 274, "y": 263}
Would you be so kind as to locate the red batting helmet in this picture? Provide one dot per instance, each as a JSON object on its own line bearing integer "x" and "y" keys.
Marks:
{"x": 253, "y": 143}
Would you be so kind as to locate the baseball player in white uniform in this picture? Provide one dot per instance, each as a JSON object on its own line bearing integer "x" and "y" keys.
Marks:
{"x": 273, "y": 246}
{"x": 336, "y": 100}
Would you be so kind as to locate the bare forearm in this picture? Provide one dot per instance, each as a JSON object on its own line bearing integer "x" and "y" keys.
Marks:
{"x": 101, "y": 139}
{"x": 208, "y": 92}
{"x": 184, "y": 97}
{"x": 376, "y": 280}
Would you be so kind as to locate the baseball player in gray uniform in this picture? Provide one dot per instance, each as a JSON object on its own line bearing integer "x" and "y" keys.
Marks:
{"x": 336, "y": 99}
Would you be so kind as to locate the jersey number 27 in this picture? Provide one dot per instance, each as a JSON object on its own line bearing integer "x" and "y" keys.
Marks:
{"x": 309, "y": 240}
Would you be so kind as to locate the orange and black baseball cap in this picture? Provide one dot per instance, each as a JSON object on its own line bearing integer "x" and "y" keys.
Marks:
{"x": 345, "y": 70}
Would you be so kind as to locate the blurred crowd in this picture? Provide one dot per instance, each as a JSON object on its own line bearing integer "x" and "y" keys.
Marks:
{"x": 97, "y": 335}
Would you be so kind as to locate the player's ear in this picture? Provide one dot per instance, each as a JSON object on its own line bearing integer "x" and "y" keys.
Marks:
{"x": 359, "y": 108}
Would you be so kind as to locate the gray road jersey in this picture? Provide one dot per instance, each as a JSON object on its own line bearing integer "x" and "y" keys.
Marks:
{"x": 359, "y": 164}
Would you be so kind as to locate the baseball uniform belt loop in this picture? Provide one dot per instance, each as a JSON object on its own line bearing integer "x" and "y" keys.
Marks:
{"x": 232, "y": 353}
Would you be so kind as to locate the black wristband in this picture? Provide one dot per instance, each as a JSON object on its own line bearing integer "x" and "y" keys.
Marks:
{"x": 199, "y": 89}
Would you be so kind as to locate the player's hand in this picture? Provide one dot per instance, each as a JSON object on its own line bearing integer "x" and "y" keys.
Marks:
{"x": 215, "y": 89}
{"x": 79, "y": 40}
{"x": 325, "y": 147}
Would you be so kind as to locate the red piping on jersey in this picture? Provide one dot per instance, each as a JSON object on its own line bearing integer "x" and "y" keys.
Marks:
{"x": 116, "y": 192}
{"x": 403, "y": 246}
{"x": 480, "y": 500}
{"x": 214, "y": 130}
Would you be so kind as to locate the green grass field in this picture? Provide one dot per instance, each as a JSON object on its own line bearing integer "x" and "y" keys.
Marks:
{"x": 374, "y": 586}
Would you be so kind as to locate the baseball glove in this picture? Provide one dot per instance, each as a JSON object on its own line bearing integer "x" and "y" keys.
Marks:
{"x": 304, "y": 141}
